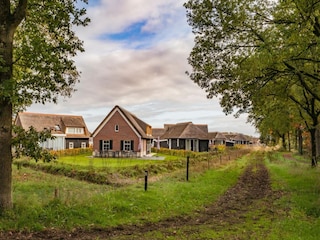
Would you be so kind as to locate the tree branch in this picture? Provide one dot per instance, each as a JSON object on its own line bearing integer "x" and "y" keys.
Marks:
{"x": 303, "y": 83}
{"x": 20, "y": 13}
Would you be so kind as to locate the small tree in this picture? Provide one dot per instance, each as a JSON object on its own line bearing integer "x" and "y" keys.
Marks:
{"x": 37, "y": 43}
{"x": 28, "y": 143}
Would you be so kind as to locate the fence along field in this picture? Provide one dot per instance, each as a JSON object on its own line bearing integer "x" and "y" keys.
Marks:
{"x": 79, "y": 164}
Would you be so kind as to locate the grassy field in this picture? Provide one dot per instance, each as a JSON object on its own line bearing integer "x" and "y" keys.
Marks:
{"x": 48, "y": 201}
{"x": 80, "y": 204}
{"x": 88, "y": 161}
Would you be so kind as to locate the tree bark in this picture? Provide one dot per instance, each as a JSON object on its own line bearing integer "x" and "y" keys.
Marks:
{"x": 299, "y": 140}
{"x": 5, "y": 117}
{"x": 8, "y": 24}
{"x": 6, "y": 156}
{"x": 284, "y": 144}
{"x": 313, "y": 147}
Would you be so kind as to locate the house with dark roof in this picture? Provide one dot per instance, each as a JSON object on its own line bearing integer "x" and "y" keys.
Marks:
{"x": 69, "y": 131}
{"x": 186, "y": 136}
{"x": 217, "y": 138}
{"x": 121, "y": 133}
{"x": 157, "y": 141}
{"x": 238, "y": 138}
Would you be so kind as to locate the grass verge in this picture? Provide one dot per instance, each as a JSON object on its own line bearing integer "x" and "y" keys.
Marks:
{"x": 300, "y": 185}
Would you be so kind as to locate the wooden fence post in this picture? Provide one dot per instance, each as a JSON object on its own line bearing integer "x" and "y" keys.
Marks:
{"x": 146, "y": 181}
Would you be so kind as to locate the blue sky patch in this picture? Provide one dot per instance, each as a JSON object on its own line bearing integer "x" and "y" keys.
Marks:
{"x": 133, "y": 33}
{"x": 91, "y": 3}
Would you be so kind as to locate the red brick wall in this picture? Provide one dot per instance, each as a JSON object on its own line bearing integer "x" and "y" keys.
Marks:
{"x": 108, "y": 133}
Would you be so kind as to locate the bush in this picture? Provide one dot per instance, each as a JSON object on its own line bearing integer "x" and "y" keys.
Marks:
{"x": 177, "y": 152}
{"x": 72, "y": 152}
{"x": 68, "y": 171}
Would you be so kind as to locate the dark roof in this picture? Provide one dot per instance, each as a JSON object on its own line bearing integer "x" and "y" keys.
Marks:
{"x": 139, "y": 125}
{"x": 186, "y": 130}
{"x": 157, "y": 132}
{"x": 237, "y": 137}
{"x": 240, "y": 137}
{"x": 217, "y": 136}
{"x": 56, "y": 123}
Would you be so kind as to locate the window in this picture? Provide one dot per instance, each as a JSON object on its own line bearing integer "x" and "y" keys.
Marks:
{"x": 116, "y": 128}
{"x": 74, "y": 130}
{"x": 106, "y": 145}
{"x": 83, "y": 144}
{"x": 127, "y": 145}
{"x": 71, "y": 145}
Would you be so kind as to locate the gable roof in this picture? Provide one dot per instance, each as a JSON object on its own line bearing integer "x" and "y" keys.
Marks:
{"x": 240, "y": 137}
{"x": 186, "y": 130}
{"x": 56, "y": 123}
{"x": 137, "y": 124}
{"x": 217, "y": 136}
{"x": 157, "y": 132}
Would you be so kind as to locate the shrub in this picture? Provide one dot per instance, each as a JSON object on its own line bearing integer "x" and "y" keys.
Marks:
{"x": 72, "y": 152}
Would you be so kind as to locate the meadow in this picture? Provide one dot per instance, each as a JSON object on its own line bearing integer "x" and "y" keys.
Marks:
{"x": 43, "y": 200}
{"x": 50, "y": 201}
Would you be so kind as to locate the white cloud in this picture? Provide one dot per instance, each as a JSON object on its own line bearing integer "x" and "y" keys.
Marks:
{"x": 146, "y": 75}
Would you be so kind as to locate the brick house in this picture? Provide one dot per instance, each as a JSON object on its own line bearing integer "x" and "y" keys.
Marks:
{"x": 69, "y": 131}
{"x": 121, "y": 133}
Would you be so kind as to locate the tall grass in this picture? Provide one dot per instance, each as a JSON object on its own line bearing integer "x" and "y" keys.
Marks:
{"x": 300, "y": 186}
{"x": 80, "y": 204}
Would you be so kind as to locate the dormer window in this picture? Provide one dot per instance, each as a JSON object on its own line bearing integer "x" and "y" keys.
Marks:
{"x": 74, "y": 130}
{"x": 116, "y": 128}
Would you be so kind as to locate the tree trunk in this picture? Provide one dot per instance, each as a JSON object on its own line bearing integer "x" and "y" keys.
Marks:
{"x": 284, "y": 144}
{"x": 300, "y": 141}
{"x": 6, "y": 96}
{"x": 313, "y": 147}
{"x": 6, "y": 156}
{"x": 289, "y": 142}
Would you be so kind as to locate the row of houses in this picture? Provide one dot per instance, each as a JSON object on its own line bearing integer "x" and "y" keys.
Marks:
{"x": 122, "y": 133}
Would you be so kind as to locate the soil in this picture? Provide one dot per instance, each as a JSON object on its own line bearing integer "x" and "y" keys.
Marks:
{"x": 252, "y": 191}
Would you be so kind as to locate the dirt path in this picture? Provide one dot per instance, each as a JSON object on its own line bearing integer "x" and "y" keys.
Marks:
{"x": 252, "y": 191}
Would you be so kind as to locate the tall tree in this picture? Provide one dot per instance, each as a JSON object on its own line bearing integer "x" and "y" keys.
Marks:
{"x": 37, "y": 43}
{"x": 249, "y": 50}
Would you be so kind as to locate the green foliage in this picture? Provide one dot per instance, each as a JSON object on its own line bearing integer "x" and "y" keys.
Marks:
{"x": 27, "y": 143}
{"x": 44, "y": 45}
{"x": 260, "y": 57}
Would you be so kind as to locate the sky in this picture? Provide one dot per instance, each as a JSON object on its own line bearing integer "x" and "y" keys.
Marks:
{"x": 136, "y": 57}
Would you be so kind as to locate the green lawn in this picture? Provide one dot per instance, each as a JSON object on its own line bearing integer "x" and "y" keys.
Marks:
{"x": 88, "y": 161}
